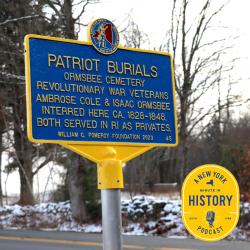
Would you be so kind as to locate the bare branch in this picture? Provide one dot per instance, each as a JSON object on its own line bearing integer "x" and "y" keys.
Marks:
{"x": 183, "y": 54}
{"x": 12, "y": 76}
{"x": 51, "y": 4}
{"x": 83, "y": 9}
{"x": 87, "y": 2}
{"x": 24, "y": 18}
{"x": 43, "y": 164}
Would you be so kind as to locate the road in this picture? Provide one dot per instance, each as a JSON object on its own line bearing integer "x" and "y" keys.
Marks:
{"x": 44, "y": 240}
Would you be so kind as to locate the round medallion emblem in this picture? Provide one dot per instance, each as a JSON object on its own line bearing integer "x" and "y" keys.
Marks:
{"x": 104, "y": 36}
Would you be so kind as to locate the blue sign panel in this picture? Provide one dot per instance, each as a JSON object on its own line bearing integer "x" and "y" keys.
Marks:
{"x": 76, "y": 94}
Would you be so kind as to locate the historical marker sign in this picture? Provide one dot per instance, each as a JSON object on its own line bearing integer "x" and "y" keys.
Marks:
{"x": 77, "y": 95}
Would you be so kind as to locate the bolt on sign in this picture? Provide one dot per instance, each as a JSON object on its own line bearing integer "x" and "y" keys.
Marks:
{"x": 210, "y": 202}
{"x": 96, "y": 93}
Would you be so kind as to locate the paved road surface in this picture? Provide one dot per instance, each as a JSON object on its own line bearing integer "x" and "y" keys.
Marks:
{"x": 41, "y": 240}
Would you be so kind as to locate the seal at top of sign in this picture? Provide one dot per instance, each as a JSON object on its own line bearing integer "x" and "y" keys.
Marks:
{"x": 104, "y": 36}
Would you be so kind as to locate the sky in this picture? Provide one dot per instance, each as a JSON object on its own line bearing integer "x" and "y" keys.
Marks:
{"x": 152, "y": 17}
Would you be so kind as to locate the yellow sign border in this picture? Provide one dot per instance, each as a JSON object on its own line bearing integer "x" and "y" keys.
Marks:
{"x": 29, "y": 103}
{"x": 237, "y": 198}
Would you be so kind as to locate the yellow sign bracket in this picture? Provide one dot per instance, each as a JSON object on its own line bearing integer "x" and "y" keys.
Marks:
{"x": 109, "y": 161}
{"x": 109, "y": 170}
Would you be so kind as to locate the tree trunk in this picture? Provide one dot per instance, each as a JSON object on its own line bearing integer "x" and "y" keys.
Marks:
{"x": 1, "y": 147}
{"x": 1, "y": 151}
{"x": 76, "y": 189}
{"x": 23, "y": 148}
{"x": 75, "y": 168}
{"x": 183, "y": 136}
{"x": 26, "y": 186}
{"x": 24, "y": 160}
{"x": 69, "y": 29}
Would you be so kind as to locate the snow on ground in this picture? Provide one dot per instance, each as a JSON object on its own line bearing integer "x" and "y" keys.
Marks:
{"x": 152, "y": 216}
{"x": 141, "y": 215}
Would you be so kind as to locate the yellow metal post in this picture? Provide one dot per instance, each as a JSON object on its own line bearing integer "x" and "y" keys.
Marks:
{"x": 109, "y": 170}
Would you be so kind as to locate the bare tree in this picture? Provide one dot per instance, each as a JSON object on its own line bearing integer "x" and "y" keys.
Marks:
{"x": 143, "y": 171}
{"x": 2, "y": 127}
{"x": 53, "y": 17}
{"x": 68, "y": 16}
{"x": 16, "y": 20}
{"x": 198, "y": 56}
{"x": 132, "y": 34}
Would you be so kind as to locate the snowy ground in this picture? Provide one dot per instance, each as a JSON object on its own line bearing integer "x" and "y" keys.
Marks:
{"x": 142, "y": 215}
